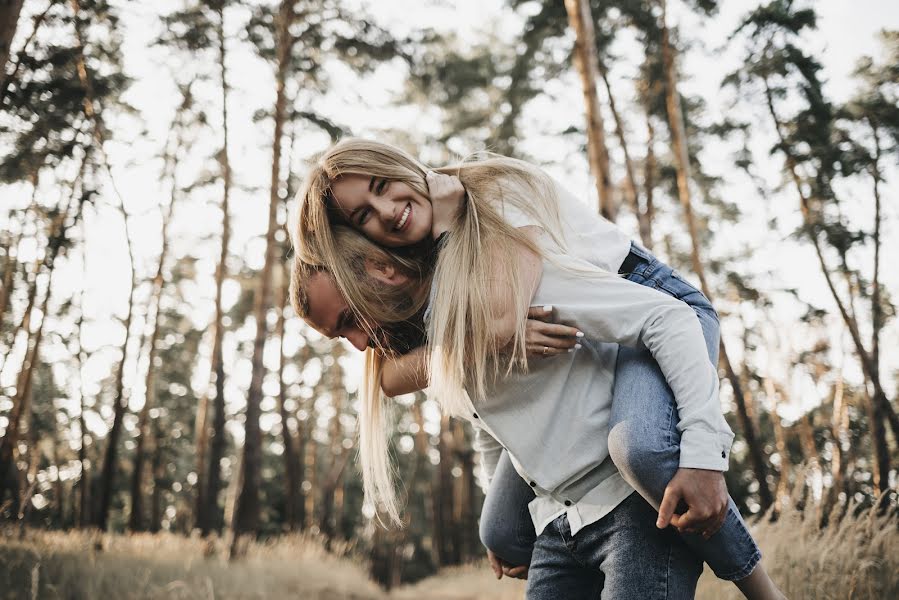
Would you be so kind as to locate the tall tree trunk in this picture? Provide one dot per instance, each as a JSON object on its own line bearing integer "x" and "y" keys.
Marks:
{"x": 21, "y": 410}
{"x": 580, "y": 20}
{"x": 443, "y": 496}
{"x": 649, "y": 183}
{"x": 682, "y": 163}
{"x": 630, "y": 185}
{"x": 120, "y": 404}
{"x": 208, "y": 487}
{"x": 7, "y": 80}
{"x": 291, "y": 480}
{"x": 879, "y": 409}
{"x": 10, "y": 265}
{"x": 136, "y": 518}
{"x": 247, "y": 510}
{"x": 9, "y": 18}
{"x": 8, "y": 444}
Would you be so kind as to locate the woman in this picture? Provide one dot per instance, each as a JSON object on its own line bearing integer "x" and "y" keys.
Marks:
{"x": 517, "y": 235}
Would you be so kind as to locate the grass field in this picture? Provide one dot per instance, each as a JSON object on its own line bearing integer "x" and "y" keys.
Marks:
{"x": 857, "y": 558}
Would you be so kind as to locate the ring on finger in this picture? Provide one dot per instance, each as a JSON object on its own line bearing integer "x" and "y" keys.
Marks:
{"x": 545, "y": 350}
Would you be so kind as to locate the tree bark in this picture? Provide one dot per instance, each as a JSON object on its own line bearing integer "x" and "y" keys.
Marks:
{"x": 682, "y": 163}
{"x": 9, "y": 18}
{"x": 879, "y": 409}
{"x": 136, "y": 518}
{"x": 120, "y": 404}
{"x": 291, "y": 480}
{"x": 580, "y": 20}
{"x": 58, "y": 230}
{"x": 208, "y": 488}
{"x": 630, "y": 186}
{"x": 247, "y": 510}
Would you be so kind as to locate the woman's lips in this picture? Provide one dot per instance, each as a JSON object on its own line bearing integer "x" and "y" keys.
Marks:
{"x": 404, "y": 220}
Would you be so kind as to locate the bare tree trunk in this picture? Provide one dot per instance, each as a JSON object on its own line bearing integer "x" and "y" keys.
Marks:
{"x": 9, "y": 270}
{"x": 135, "y": 521}
{"x": 880, "y": 408}
{"x": 630, "y": 186}
{"x": 247, "y": 510}
{"x": 120, "y": 405}
{"x": 208, "y": 488}
{"x": 57, "y": 236}
{"x": 679, "y": 141}
{"x": 6, "y": 80}
{"x": 9, "y": 18}
{"x": 581, "y": 22}
{"x": 21, "y": 411}
{"x": 291, "y": 480}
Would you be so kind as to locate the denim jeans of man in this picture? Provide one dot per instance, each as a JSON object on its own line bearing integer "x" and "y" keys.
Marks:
{"x": 644, "y": 444}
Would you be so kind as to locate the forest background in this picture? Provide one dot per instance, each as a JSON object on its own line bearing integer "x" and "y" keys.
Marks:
{"x": 153, "y": 380}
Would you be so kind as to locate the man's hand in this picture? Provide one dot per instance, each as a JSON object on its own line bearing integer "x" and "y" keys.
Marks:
{"x": 705, "y": 495}
{"x": 447, "y": 195}
{"x": 501, "y": 567}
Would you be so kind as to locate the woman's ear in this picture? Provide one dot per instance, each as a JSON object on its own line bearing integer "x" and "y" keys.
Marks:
{"x": 384, "y": 272}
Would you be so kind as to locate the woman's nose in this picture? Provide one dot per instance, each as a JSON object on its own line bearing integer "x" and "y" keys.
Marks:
{"x": 384, "y": 209}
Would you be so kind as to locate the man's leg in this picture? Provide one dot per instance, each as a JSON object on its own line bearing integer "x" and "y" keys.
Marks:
{"x": 640, "y": 560}
{"x": 557, "y": 572}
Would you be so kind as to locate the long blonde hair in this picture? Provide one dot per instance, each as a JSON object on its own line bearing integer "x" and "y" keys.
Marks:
{"x": 481, "y": 250}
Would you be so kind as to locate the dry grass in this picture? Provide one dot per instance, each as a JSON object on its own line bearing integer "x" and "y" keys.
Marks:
{"x": 857, "y": 558}
{"x": 51, "y": 565}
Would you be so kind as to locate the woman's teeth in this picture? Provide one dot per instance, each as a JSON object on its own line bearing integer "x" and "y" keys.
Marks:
{"x": 404, "y": 218}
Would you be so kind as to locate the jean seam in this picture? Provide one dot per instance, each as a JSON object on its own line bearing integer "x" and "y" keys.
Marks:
{"x": 743, "y": 572}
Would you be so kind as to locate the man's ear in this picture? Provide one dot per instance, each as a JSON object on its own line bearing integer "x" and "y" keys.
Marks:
{"x": 381, "y": 271}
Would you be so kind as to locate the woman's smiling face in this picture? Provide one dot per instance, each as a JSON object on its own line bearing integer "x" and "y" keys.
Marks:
{"x": 387, "y": 212}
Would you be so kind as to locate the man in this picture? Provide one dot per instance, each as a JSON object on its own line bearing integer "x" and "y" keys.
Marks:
{"x": 702, "y": 491}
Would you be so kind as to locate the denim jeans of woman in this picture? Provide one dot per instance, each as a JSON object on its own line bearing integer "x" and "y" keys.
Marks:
{"x": 644, "y": 443}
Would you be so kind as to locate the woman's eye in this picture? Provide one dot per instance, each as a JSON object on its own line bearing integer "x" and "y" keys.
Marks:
{"x": 363, "y": 216}
{"x": 382, "y": 186}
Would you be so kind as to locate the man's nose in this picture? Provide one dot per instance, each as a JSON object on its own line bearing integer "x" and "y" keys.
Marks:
{"x": 359, "y": 339}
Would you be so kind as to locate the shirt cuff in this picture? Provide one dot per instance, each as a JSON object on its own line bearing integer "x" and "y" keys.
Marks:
{"x": 705, "y": 450}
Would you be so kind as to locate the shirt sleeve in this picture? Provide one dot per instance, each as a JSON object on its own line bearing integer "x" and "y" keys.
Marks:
{"x": 613, "y": 309}
{"x": 489, "y": 449}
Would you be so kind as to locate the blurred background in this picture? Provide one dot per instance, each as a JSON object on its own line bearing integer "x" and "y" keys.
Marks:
{"x": 153, "y": 380}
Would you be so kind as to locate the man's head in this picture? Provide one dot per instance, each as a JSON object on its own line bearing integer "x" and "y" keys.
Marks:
{"x": 316, "y": 298}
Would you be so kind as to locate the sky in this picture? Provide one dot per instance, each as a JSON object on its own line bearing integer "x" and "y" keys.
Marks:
{"x": 847, "y": 31}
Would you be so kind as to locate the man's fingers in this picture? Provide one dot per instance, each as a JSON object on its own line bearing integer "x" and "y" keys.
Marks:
{"x": 666, "y": 509}
{"x": 520, "y": 572}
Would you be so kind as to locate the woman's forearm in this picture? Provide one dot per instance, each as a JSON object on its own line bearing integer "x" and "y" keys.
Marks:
{"x": 405, "y": 374}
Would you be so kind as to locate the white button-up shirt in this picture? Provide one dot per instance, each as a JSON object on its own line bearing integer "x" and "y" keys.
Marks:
{"x": 554, "y": 419}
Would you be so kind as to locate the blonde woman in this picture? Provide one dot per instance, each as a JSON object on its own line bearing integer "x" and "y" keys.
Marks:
{"x": 519, "y": 237}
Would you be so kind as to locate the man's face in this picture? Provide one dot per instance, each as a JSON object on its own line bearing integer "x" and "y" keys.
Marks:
{"x": 329, "y": 313}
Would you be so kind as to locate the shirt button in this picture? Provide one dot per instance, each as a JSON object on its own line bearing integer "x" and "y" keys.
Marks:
{"x": 723, "y": 455}
{"x": 475, "y": 415}
{"x": 533, "y": 484}
{"x": 568, "y": 503}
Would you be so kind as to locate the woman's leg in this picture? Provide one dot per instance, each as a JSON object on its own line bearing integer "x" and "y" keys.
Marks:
{"x": 644, "y": 441}
{"x": 506, "y": 527}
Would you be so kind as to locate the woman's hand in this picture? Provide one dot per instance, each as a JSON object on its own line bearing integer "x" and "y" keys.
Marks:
{"x": 543, "y": 337}
{"x": 447, "y": 195}
{"x": 501, "y": 567}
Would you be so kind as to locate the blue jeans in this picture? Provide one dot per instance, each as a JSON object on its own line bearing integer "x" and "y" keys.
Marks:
{"x": 644, "y": 443}
{"x": 621, "y": 556}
